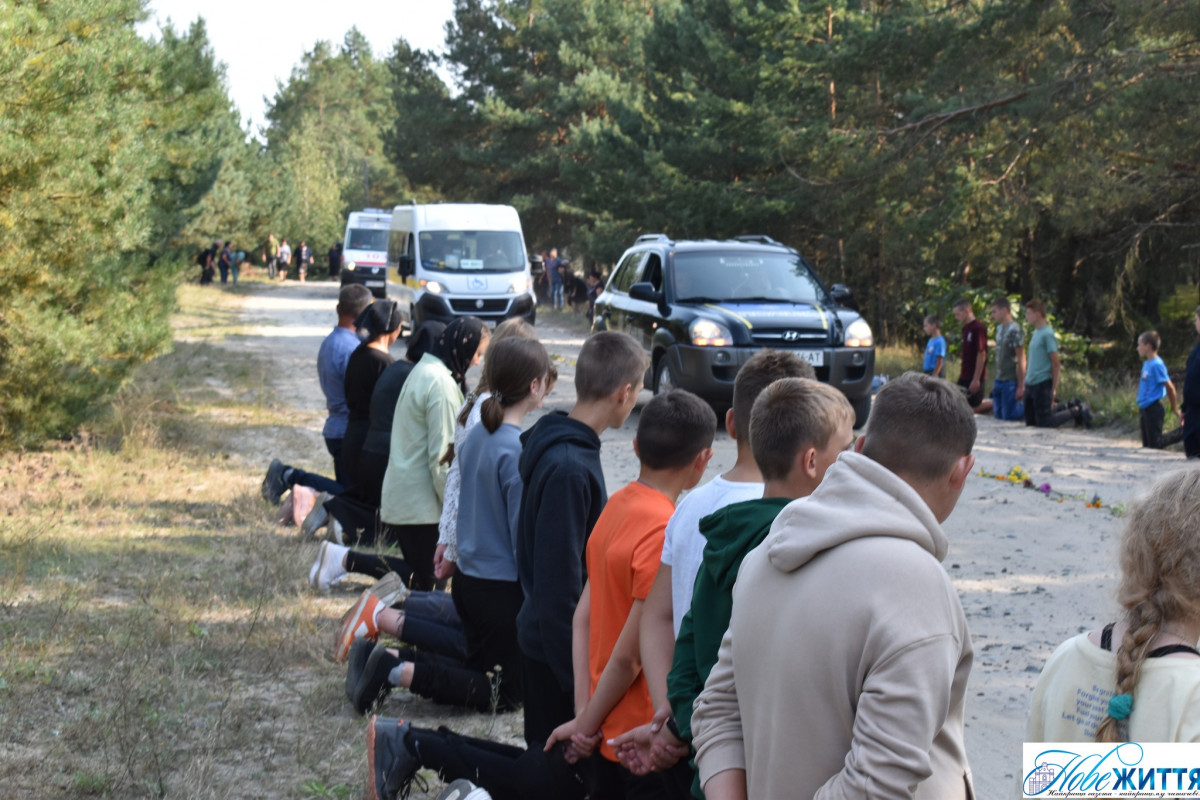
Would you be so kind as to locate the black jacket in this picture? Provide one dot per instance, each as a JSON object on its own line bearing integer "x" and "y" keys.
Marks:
{"x": 563, "y": 496}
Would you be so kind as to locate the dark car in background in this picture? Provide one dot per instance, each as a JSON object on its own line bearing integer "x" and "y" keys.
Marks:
{"x": 703, "y": 308}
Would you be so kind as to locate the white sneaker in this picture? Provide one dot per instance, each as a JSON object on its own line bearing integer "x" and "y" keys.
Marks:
{"x": 327, "y": 570}
{"x": 463, "y": 789}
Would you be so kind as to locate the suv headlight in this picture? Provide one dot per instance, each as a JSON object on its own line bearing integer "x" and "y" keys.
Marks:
{"x": 707, "y": 333}
{"x": 433, "y": 287}
{"x": 859, "y": 334}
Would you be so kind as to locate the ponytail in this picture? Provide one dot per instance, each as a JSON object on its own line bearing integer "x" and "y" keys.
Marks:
{"x": 491, "y": 413}
{"x": 511, "y": 366}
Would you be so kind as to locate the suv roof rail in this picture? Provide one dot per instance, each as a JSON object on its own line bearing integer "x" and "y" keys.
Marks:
{"x": 757, "y": 237}
{"x": 653, "y": 237}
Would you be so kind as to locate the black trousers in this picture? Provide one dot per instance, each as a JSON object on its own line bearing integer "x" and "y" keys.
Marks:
{"x": 491, "y": 674}
{"x": 505, "y": 771}
{"x": 418, "y": 543}
{"x": 1152, "y": 418}
{"x": 1039, "y": 408}
{"x": 547, "y": 704}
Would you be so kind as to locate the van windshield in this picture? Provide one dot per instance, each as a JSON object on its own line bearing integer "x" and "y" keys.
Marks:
{"x": 472, "y": 251}
{"x": 366, "y": 239}
{"x": 746, "y": 277}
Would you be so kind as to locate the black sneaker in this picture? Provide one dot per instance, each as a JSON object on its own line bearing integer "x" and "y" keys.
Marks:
{"x": 1085, "y": 415}
{"x": 373, "y": 685}
{"x": 273, "y": 486}
{"x": 357, "y": 662}
{"x": 391, "y": 766}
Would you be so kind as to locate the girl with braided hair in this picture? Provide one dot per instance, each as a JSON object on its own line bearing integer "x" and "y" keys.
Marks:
{"x": 1137, "y": 679}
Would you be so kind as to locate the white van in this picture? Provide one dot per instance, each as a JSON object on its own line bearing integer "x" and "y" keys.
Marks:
{"x": 364, "y": 249}
{"x": 450, "y": 260}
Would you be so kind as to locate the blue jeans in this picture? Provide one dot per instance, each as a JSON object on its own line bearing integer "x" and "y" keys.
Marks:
{"x": 556, "y": 295}
{"x": 1005, "y": 404}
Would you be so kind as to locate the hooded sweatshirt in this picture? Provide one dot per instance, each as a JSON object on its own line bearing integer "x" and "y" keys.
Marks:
{"x": 850, "y": 650}
{"x": 731, "y": 533}
{"x": 563, "y": 496}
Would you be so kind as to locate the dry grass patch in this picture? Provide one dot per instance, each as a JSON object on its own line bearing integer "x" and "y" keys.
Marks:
{"x": 158, "y": 635}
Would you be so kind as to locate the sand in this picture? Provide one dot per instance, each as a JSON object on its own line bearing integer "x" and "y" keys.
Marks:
{"x": 1031, "y": 571}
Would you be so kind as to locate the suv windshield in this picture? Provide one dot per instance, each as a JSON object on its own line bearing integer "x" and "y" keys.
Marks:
{"x": 472, "y": 251}
{"x": 367, "y": 239}
{"x": 745, "y": 276}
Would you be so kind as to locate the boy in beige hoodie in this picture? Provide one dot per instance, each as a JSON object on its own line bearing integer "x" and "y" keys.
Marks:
{"x": 843, "y": 672}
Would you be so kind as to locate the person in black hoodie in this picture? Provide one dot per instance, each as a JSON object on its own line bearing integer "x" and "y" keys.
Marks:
{"x": 563, "y": 496}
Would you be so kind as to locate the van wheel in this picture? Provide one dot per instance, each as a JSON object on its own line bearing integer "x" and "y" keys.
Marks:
{"x": 862, "y": 410}
{"x": 664, "y": 378}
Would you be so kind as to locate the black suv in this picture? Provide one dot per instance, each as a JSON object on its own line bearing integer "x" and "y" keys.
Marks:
{"x": 702, "y": 308}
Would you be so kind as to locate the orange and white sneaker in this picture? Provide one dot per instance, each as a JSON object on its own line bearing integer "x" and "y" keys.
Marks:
{"x": 360, "y": 622}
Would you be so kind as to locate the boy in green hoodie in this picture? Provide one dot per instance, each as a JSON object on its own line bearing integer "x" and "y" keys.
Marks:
{"x": 797, "y": 429}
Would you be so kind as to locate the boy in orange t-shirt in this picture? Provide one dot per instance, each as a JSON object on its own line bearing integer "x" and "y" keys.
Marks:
{"x": 674, "y": 445}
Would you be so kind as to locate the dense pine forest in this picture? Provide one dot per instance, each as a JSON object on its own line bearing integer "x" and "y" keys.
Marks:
{"x": 914, "y": 150}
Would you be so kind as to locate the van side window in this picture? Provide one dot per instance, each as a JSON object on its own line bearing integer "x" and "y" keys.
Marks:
{"x": 627, "y": 272}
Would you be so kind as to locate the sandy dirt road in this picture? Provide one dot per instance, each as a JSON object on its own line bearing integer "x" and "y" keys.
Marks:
{"x": 1031, "y": 571}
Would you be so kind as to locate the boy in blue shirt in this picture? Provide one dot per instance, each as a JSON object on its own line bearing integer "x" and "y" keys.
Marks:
{"x": 1153, "y": 386}
{"x": 935, "y": 350}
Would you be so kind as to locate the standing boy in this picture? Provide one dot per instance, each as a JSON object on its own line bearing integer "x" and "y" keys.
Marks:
{"x": 973, "y": 374}
{"x": 1155, "y": 384}
{"x": 844, "y": 669}
{"x": 674, "y": 445}
{"x": 935, "y": 348}
{"x": 1009, "y": 387}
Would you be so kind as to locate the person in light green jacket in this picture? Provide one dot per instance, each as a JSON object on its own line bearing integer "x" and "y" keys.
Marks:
{"x": 422, "y": 433}
{"x": 415, "y": 480}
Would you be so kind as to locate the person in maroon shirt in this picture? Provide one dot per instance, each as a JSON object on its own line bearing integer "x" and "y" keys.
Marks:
{"x": 973, "y": 375}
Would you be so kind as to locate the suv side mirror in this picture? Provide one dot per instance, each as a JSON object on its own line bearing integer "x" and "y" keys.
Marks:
{"x": 405, "y": 265}
{"x": 843, "y": 296}
{"x": 645, "y": 292}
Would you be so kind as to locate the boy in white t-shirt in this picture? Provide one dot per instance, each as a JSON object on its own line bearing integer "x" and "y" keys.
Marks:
{"x": 683, "y": 549}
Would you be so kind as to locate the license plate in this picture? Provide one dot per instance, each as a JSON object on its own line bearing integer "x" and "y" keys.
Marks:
{"x": 381, "y": 284}
{"x": 814, "y": 357}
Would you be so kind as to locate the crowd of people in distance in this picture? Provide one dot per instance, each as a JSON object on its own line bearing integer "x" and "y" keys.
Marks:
{"x": 276, "y": 258}
{"x": 559, "y": 287}
{"x": 783, "y": 629}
